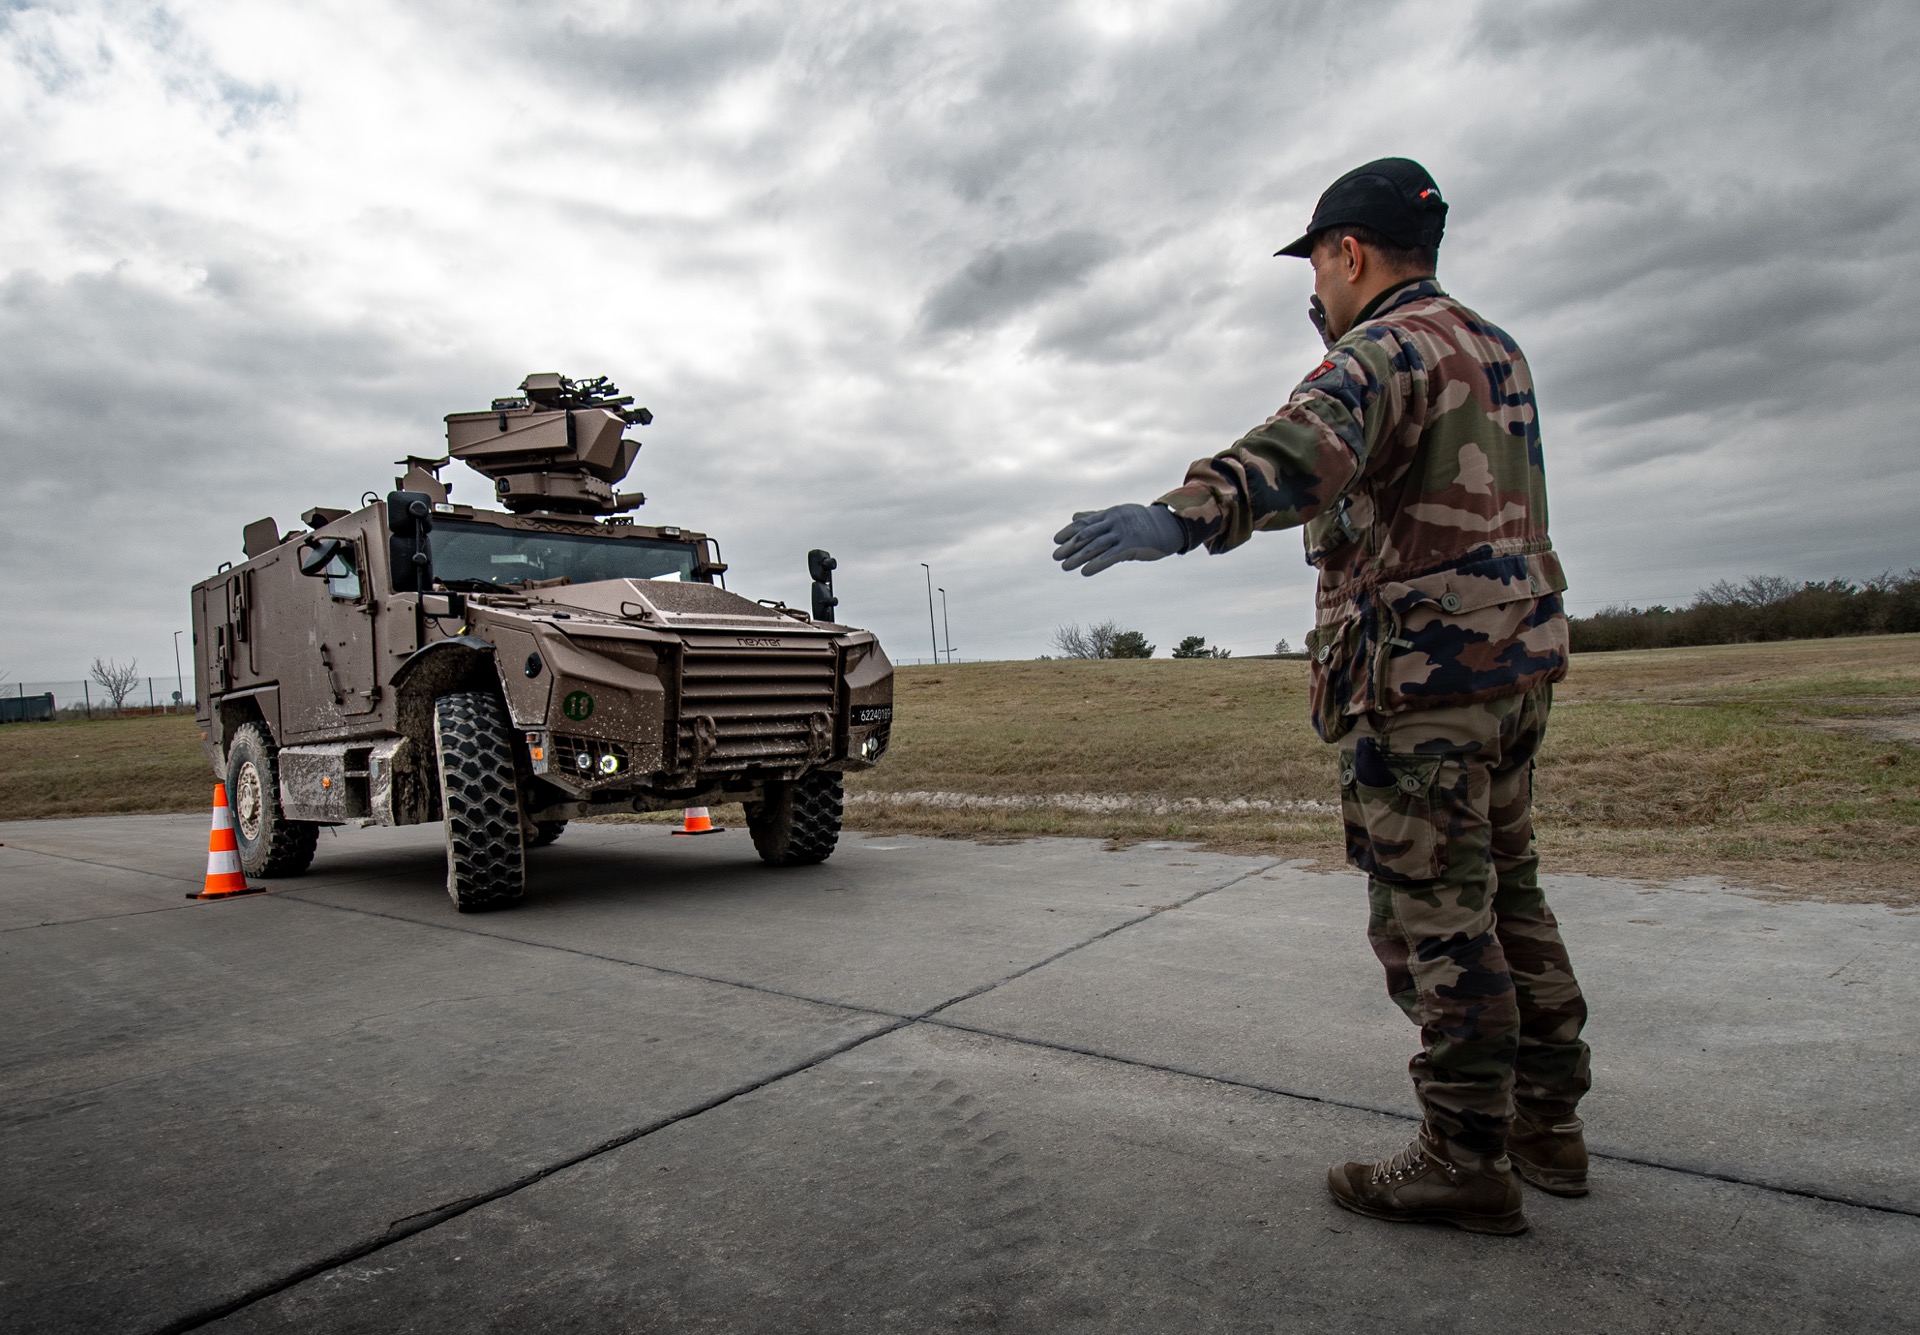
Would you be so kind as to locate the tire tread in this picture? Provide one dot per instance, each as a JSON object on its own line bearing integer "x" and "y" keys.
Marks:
{"x": 480, "y": 795}
{"x": 798, "y": 823}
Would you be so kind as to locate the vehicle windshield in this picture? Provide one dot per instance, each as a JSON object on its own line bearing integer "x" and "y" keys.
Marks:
{"x": 480, "y": 555}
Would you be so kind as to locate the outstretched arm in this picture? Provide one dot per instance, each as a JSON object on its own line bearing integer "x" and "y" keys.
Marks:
{"x": 1300, "y": 460}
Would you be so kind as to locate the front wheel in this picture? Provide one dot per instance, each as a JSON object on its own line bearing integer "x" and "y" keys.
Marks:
{"x": 270, "y": 844}
{"x": 480, "y": 792}
{"x": 798, "y": 823}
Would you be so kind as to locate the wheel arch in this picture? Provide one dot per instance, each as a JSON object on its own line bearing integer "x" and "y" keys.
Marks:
{"x": 231, "y": 714}
{"x": 458, "y": 663}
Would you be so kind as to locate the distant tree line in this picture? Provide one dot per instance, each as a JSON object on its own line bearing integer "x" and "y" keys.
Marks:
{"x": 1765, "y": 607}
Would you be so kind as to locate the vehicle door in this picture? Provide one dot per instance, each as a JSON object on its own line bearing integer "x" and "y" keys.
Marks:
{"x": 341, "y": 657}
{"x": 225, "y": 613}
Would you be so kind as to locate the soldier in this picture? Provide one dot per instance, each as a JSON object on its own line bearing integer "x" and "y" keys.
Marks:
{"x": 1412, "y": 456}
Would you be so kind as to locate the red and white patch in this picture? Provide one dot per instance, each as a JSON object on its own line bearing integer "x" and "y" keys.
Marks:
{"x": 1320, "y": 370}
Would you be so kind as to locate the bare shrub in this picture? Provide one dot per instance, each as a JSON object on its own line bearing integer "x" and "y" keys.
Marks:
{"x": 117, "y": 681}
{"x": 1103, "y": 639}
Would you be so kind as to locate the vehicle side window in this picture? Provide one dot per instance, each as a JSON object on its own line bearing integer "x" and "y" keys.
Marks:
{"x": 343, "y": 575}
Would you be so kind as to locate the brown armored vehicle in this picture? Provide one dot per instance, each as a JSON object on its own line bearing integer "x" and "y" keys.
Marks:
{"x": 417, "y": 661}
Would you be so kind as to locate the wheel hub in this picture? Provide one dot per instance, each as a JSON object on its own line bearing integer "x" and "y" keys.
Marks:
{"x": 247, "y": 802}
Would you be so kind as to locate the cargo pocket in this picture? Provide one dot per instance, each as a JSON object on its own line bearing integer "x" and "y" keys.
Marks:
{"x": 1479, "y": 630}
{"x": 1330, "y": 650}
{"x": 1387, "y": 805}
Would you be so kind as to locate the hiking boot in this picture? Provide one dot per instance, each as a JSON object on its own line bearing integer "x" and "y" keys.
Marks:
{"x": 1432, "y": 1182}
{"x": 1550, "y": 1152}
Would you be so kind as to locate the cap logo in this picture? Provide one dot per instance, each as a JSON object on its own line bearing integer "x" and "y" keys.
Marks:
{"x": 1428, "y": 191}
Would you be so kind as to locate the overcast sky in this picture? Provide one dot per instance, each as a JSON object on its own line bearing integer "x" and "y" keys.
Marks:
{"x": 915, "y": 282}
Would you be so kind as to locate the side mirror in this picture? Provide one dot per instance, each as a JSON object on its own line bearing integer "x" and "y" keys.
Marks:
{"x": 821, "y": 566}
{"x": 318, "y": 554}
{"x": 409, "y": 551}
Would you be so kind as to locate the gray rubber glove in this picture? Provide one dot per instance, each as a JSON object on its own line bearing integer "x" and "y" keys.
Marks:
{"x": 1097, "y": 539}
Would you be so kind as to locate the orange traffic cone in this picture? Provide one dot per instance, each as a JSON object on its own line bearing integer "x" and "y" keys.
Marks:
{"x": 224, "y": 877}
{"x": 699, "y": 822}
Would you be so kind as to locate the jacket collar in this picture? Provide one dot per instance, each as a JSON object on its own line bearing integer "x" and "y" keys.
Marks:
{"x": 1413, "y": 289}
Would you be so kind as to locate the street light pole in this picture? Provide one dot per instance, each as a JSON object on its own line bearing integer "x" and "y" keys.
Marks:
{"x": 932, "y": 634}
{"x": 179, "y": 682}
{"x": 946, "y": 625}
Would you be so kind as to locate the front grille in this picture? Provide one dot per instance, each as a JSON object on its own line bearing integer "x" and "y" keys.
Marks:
{"x": 741, "y": 707}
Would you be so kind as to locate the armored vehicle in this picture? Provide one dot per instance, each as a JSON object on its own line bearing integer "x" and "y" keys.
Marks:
{"x": 505, "y": 672}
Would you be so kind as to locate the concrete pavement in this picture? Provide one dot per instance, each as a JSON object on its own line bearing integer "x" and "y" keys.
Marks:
{"x": 930, "y": 1085}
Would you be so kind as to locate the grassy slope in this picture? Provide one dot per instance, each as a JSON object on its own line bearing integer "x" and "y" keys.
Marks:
{"x": 1661, "y": 763}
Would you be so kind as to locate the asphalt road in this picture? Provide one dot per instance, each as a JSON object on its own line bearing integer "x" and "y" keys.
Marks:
{"x": 929, "y": 1086}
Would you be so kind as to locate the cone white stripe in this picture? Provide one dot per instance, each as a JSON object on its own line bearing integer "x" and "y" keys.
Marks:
{"x": 222, "y": 817}
{"x": 223, "y": 862}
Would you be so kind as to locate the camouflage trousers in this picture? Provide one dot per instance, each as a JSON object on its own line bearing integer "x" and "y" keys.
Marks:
{"x": 1438, "y": 806}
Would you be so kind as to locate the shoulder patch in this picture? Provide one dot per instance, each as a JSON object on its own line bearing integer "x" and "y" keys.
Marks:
{"x": 1318, "y": 371}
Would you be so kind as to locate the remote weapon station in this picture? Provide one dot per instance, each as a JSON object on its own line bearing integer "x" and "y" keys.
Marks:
{"x": 416, "y": 660}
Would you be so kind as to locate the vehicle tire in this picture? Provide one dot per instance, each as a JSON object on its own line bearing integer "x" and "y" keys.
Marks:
{"x": 270, "y": 844}
{"x": 546, "y": 831}
{"x": 798, "y": 823}
{"x": 480, "y": 794}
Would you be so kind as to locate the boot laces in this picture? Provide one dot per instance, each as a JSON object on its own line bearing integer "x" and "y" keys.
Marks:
{"x": 1409, "y": 1163}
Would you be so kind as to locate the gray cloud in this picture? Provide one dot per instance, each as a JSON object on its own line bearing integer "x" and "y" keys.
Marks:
{"x": 1730, "y": 26}
{"x": 1003, "y": 280}
{"x": 915, "y": 285}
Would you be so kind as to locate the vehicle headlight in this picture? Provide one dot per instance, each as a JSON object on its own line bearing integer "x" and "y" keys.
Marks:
{"x": 609, "y": 763}
{"x": 870, "y": 748}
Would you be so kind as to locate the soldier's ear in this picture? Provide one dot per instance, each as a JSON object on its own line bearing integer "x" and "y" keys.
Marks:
{"x": 1353, "y": 259}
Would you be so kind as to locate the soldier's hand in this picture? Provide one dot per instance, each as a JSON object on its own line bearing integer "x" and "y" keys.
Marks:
{"x": 1097, "y": 539}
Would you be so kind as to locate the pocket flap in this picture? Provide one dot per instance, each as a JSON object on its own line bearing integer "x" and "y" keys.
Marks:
{"x": 1478, "y": 584}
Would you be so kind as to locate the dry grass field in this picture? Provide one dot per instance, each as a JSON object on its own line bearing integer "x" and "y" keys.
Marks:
{"x": 1794, "y": 766}
{"x": 109, "y": 766}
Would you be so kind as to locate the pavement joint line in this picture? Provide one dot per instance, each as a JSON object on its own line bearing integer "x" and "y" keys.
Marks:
{"x": 1612, "y": 1156}
{"x": 99, "y": 917}
{"x": 1095, "y": 939}
{"x": 670, "y": 971}
{"x": 411, "y": 1225}
{"x": 163, "y": 908}
{"x": 110, "y": 866}
{"x": 605, "y": 959}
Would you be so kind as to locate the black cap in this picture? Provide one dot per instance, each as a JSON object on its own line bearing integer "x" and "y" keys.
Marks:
{"x": 1393, "y": 196}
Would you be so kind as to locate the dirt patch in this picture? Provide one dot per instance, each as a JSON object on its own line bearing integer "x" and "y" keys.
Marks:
{"x": 1902, "y": 727}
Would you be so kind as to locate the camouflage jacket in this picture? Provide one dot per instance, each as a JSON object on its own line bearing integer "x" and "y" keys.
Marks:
{"x": 1412, "y": 455}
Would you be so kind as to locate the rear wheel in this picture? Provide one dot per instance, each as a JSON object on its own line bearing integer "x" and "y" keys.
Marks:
{"x": 545, "y": 832}
{"x": 480, "y": 792}
{"x": 799, "y": 822}
{"x": 270, "y": 844}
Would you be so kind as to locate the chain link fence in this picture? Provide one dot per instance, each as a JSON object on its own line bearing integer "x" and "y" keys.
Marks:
{"x": 43, "y": 701}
